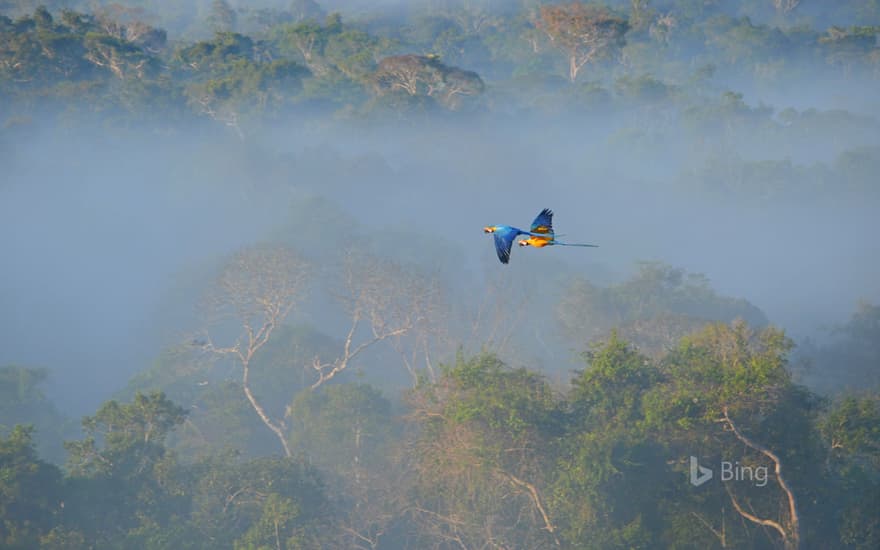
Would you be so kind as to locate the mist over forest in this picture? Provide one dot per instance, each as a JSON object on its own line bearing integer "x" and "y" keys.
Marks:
{"x": 246, "y": 300}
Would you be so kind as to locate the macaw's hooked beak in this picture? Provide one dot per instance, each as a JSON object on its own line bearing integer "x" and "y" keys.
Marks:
{"x": 489, "y": 229}
{"x": 524, "y": 242}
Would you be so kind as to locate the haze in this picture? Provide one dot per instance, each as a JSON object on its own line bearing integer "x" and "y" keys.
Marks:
{"x": 746, "y": 151}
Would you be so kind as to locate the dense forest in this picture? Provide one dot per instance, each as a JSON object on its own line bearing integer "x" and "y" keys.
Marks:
{"x": 245, "y": 301}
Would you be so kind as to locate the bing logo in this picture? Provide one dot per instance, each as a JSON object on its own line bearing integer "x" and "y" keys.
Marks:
{"x": 699, "y": 474}
{"x": 730, "y": 471}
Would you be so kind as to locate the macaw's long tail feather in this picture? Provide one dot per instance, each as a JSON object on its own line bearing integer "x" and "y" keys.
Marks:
{"x": 576, "y": 244}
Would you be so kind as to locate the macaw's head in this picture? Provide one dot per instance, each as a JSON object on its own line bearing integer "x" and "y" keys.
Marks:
{"x": 525, "y": 242}
{"x": 489, "y": 229}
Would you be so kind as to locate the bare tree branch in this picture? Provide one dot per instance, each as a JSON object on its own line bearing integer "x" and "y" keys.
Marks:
{"x": 790, "y": 537}
{"x": 257, "y": 288}
{"x": 390, "y": 302}
{"x": 533, "y": 491}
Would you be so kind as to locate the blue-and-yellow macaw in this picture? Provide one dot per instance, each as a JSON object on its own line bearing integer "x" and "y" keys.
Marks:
{"x": 504, "y": 236}
{"x": 543, "y": 226}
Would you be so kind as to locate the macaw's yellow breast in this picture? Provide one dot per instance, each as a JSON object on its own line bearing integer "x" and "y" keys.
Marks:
{"x": 539, "y": 242}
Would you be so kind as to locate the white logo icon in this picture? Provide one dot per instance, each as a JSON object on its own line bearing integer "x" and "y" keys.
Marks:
{"x": 699, "y": 474}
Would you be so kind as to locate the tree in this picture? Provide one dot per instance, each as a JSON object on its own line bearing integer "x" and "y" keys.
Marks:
{"x": 735, "y": 379}
{"x": 851, "y": 435}
{"x": 355, "y": 53}
{"x": 233, "y": 77}
{"x": 276, "y": 526}
{"x": 253, "y": 295}
{"x": 585, "y": 33}
{"x": 653, "y": 309}
{"x": 850, "y": 360}
{"x": 121, "y": 483}
{"x": 348, "y": 431}
{"x": 785, "y": 7}
{"x": 307, "y": 40}
{"x": 30, "y": 491}
{"x": 123, "y": 59}
{"x": 418, "y": 75}
{"x": 129, "y": 23}
{"x": 22, "y": 402}
{"x": 482, "y": 454}
{"x": 848, "y": 48}
{"x": 124, "y": 440}
{"x": 345, "y": 428}
{"x": 222, "y": 17}
{"x": 383, "y": 297}
{"x": 266, "y": 502}
{"x": 611, "y": 473}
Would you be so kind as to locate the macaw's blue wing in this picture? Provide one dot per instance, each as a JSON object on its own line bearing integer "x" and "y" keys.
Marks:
{"x": 504, "y": 241}
{"x": 543, "y": 224}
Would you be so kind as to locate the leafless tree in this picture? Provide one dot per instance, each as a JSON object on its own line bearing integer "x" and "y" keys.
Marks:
{"x": 254, "y": 293}
{"x": 384, "y": 301}
{"x": 498, "y": 316}
{"x": 223, "y": 113}
{"x": 583, "y": 32}
{"x": 785, "y": 6}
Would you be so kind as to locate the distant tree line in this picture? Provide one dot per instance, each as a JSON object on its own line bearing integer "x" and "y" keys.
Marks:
{"x": 254, "y": 64}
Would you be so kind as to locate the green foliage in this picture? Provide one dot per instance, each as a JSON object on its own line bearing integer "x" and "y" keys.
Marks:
{"x": 612, "y": 384}
{"x": 30, "y": 491}
{"x": 249, "y": 503}
{"x": 489, "y": 455}
{"x": 607, "y": 453}
{"x": 643, "y": 88}
{"x": 343, "y": 427}
{"x": 514, "y": 402}
{"x": 124, "y": 439}
{"x": 487, "y": 433}
{"x": 298, "y": 58}
{"x": 851, "y": 431}
{"x": 276, "y": 527}
{"x": 732, "y": 365}
{"x": 425, "y": 76}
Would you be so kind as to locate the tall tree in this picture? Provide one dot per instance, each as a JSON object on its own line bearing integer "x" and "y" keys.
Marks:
{"x": 731, "y": 384}
{"x": 121, "y": 475}
{"x": 384, "y": 301}
{"x": 30, "y": 491}
{"x": 584, "y": 32}
{"x": 419, "y": 75}
{"x": 482, "y": 455}
{"x": 253, "y": 295}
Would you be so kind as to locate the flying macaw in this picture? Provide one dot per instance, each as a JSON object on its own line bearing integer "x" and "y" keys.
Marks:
{"x": 504, "y": 236}
{"x": 543, "y": 226}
